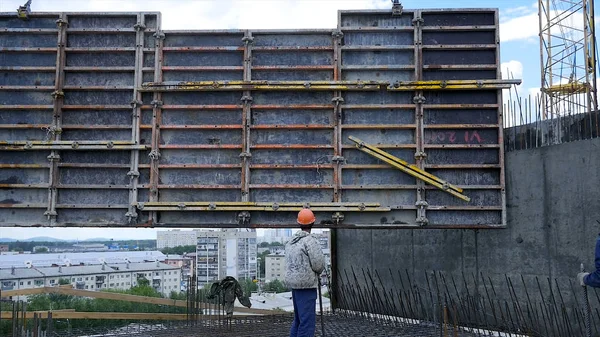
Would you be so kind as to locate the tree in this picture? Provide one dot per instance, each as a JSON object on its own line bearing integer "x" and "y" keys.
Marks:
{"x": 276, "y": 286}
{"x": 261, "y": 261}
{"x": 63, "y": 281}
{"x": 264, "y": 244}
{"x": 142, "y": 282}
{"x": 179, "y": 250}
{"x": 41, "y": 250}
{"x": 248, "y": 286}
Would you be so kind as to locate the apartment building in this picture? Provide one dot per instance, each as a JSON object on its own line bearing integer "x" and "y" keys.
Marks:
{"x": 228, "y": 252}
{"x": 162, "y": 277}
{"x": 175, "y": 238}
{"x": 274, "y": 267}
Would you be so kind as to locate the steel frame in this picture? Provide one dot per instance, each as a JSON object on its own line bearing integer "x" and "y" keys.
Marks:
{"x": 155, "y": 76}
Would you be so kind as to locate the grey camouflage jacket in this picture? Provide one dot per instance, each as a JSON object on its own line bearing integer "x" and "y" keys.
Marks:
{"x": 304, "y": 261}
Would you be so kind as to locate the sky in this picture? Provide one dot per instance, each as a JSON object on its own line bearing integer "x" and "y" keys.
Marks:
{"x": 518, "y": 34}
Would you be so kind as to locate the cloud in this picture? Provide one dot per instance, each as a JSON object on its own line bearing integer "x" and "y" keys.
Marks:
{"x": 512, "y": 69}
{"x": 221, "y": 14}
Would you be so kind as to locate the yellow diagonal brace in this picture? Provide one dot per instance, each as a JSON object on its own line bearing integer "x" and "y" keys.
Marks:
{"x": 409, "y": 169}
{"x": 406, "y": 164}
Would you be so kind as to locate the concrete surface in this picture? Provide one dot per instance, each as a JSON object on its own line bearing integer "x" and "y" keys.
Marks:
{"x": 553, "y": 202}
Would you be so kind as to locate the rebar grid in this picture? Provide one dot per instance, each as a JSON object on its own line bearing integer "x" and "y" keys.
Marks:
{"x": 336, "y": 325}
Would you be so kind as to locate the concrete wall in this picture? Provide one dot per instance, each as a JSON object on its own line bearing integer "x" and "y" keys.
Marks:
{"x": 553, "y": 202}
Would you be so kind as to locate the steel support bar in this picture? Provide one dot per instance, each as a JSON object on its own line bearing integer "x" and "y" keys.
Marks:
{"x": 263, "y": 85}
{"x": 261, "y": 204}
{"x": 326, "y": 85}
{"x": 409, "y": 169}
{"x": 453, "y": 85}
{"x": 264, "y": 209}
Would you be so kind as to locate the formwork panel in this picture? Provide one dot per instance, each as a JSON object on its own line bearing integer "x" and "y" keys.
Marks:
{"x": 91, "y": 149}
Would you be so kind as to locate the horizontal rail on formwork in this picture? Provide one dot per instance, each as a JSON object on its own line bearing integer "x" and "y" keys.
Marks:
{"x": 70, "y": 145}
{"x": 25, "y": 166}
{"x": 459, "y": 28}
{"x": 376, "y": 47}
{"x": 263, "y": 204}
{"x": 93, "y": 186}
{"x": 28, "y": 49}
{"x": 28, "y": 68}
{"x": 460, "y": 46}
{"x": 265, "y": 209}
{"x": 29, "y": 30}
{"x": 378, "y": 126}
{"x": 260, "y": 85}
{"x": 461, "y": 126}
{"x": 24, "y": 185}
{"x": 281, "y": 166}
{"x": 24, "y": 205}
{"x": 330, "y": 85}
{"x": 92, "y": 206}
{"x": 453, "y": 85}
{"x": 97, "y": 87}
{"x": 377, "y": 29}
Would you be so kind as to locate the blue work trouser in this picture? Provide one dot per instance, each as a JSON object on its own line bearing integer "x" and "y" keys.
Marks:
{"x": 304, "y": 312}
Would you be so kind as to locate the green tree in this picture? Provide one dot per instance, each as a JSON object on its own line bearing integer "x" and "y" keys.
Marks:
{"x": 63, "y": 281}
{"x": 142, "y": 282}
{"x": 276, "y": 286}
{"x": 179, "y": 250}
{"x": 248, "y": 286}
{"x": 264, "y": 244}
{"x": 41, "y": 250}
{"x": 261, "y": 261}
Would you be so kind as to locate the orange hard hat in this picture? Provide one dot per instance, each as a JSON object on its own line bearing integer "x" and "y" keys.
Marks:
{"x": 306, "y": 217}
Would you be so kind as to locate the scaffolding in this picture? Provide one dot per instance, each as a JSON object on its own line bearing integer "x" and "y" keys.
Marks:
{"x": 568, "y": 57}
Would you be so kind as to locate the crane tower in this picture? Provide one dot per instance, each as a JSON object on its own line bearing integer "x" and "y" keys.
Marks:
{"x": 568, "y": 57}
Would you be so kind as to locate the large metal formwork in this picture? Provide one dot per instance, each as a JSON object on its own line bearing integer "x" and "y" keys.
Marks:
{"x": 106, "y": 120}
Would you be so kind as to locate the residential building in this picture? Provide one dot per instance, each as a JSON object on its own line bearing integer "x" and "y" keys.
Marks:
{"x": 175, "y": 238}
{"x": 67, "y": 259}
{"x": 178, "y": 261}
{"x": 228, "y": 252}
{"x": 3, "y": 248}
{"x": 274, "y": 267}
{"x": 162, "y": 277}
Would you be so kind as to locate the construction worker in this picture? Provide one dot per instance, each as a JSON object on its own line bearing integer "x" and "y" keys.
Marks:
{"x": 304, "y": 263}
{"x": 593, "y": 279}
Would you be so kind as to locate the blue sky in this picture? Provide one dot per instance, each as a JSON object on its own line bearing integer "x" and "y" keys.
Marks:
{"x": 519, "y": 43}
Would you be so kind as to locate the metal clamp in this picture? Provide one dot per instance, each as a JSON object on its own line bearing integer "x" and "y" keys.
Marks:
{"x": 275, "y": 206}
{"x": 245, "y": 155}
{"x": 139, "y": 26}
{"x": 337, "y": 218}
{"x": 212, "y": 206}
{"x": 57, "y": 94}
{"x": 247, "y": 40}
{"x": 156, "y": 103}
{"x": 133, "y": 174}
{"x": 51, "y": 215}
{"x": 419, "y": 99}
{"x": 53, "y": 157}
{"x": 131, "y": 215}
{"x": 337, "y": 34}
{"x": 396, "y": 8}
{"x": 140, "y": 205}
{"x": 246, "y": 99}
{"x": 418, "y": 22}
{"x": 75, "y": 145}
{"x": 244, "y": 218}
{"x": 61, "y": 22}
{"x": 420, "y": 155}
{"x": 337, "y": 100}
{"x": 422, "y": 204}
{"x": 135, "y": 103}
{"x": 159, "y": 35}
{"x": 181, "y": 206}
{"x": 422, "y": 220}
{"x": 110, "y": 145}
{"x": 338, "y": 159}
{"x": 154, "y": 155}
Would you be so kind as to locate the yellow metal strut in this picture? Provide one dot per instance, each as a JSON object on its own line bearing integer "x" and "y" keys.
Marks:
{"x": 410, "y": 169}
